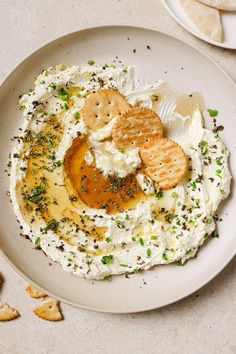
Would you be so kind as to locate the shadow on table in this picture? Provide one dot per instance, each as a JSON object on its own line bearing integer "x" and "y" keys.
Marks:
{"x": 1, "y": 281}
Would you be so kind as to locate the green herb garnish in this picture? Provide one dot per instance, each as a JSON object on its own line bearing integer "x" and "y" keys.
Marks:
{"x": 91, "y": 62}
{"x": 51, "y": 225}
{"x": 212, "y": 112}
{"x": 52, "y": 85}
{"x": 37, "y": 241}
{"x": 119, "y": 224}
{"x": 107, "y": 259}
{"x": 76, "y": 115}
{"x": 159, "y": 194}
{"x": 218, "y": 161}
{"x": 164, "y": 256}
{"x": 174, "y": 195}
{"x": 193, "y": 185}
{"x": 203, "y": 146}
{"x": 149, "y": 252}
{"x": 62, "y": 94}
{"x": 179, "y": 263}
{"x": 141, "y": 241}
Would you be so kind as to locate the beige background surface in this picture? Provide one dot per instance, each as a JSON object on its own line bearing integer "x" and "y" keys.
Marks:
{"x": 202, "y": 323}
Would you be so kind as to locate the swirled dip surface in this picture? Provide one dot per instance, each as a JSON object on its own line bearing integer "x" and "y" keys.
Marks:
{"x": 91, "y": 207}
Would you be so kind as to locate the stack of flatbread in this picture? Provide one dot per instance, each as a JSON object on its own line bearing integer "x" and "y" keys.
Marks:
{"x": 205, "y": 14}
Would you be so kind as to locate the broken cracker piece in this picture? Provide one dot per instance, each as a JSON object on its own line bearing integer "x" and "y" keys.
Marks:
{"x": 165, "y": 162}
{"x": 102, "y": 106}
{"x": 136, "y": 127}
{"x": 34, "y": 292}
{"x": 8, "y": 313}
{"x": 49, "y": 310}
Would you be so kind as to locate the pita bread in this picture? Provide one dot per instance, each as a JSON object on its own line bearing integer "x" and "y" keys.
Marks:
{"x": 206, "y": 19}
{"x": 226, "y": 5}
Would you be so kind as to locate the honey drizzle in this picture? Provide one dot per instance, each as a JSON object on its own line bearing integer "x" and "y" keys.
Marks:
{"x": 93, "y": 188}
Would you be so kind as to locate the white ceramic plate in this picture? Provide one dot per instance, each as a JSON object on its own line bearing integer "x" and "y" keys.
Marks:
{"x": 186, "y": 69}
{"x": 228, "y": 22}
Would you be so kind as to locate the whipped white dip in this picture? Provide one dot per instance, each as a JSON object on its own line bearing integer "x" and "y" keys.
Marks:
{"x": 163, "y": 228}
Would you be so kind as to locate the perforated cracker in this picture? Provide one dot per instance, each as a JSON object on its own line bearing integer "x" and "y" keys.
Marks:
{"x": 49, "y": 310}
{"x": 136, "y": 127}
{"x": 102, "y": 106}
{"x": 8, "y": 313}
{"x": 34, "y": 292}
{"x": 165, "y": 162}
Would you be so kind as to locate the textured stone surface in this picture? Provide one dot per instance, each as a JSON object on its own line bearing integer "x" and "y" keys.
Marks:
{"x": 202, "y": 323}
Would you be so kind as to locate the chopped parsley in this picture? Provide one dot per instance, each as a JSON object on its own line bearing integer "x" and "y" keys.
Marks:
{"x": 141, "y": 241}
{"x": 37, "y": 193}
{"x": 123, "y": 265}
{"x": 203, "y": 146}
{"x": 212, "y": 112}
{"x": 136, "y": 270}
{"x": 218, "y": 173}
{"x": 52, "y": 85}
{"x": 159, "y": 194}
{"x": 127, "y": 216}
{"x": 108, "y": 239}
{"x": 107, "y": 259}
{"x": 37, "y": 241}
{"x": 215, "y": 234}
{"x": 125, "y": 71}
{"x": 193, "y": 185}
{"x": 149, "y": 252}
{"x": 153, "y": 237}
{"x": 51, "y": 225}
{"x": 91, "y": 62}
{"x": 62, "y": 94}
{"x": 222, "y": 191}
{"x": 179, "y": 263}
{"x": 218, "y": 161}
{"x": 64, "y": 106}
{"x": 76, "y": 115}
{"x": 174, "y": 195}
{"x": 119, "y": 224}
{"x": 188, "y": 251}
{"x": 164, "y": 256}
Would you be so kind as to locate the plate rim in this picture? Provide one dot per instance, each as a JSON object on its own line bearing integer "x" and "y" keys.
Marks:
{"x": 212, "y": 275}
{"x": 195, "y": 33}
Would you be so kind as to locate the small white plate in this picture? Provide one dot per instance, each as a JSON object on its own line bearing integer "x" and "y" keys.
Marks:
{"x": 167, "y": 58}
{"x": 228, "y": 19}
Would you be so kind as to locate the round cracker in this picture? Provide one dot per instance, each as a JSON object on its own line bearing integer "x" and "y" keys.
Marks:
{"x": 136, "y": 127}
{"x": 34, "y": 292}
{"x": 165, "y": 162}
{"x": 49, "y": 310}
{"x": 102, "y": 106}
{"x": 8, "y": 313}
